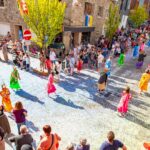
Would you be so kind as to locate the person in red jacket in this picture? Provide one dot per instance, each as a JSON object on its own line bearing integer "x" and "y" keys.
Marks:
{"x": 48, "y": 64}
{"x": 79, "y": 65}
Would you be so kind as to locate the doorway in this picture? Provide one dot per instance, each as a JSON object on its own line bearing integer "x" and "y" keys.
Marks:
{"x": 86, "y": 36}
{"x": 18, "y": 32}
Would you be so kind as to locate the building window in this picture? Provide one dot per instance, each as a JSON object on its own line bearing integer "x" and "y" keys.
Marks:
{"x": 1, "y": 3}
{"x": 88, "y": 9}
{"x": 100, "y": 11}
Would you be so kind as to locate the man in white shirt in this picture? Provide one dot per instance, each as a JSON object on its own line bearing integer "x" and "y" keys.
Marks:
{"x": 52, "y": 56}
{"x": 72, "y": 64}
{"x": 75, "y": 50}
{"x": 100, "y": 62}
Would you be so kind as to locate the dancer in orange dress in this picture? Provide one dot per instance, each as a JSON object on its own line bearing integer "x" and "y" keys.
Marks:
{"x": 5, "y": 94}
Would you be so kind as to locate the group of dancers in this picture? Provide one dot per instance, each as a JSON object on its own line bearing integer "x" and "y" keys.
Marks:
{"x": 124, "y": 101}
{"x": 126, "y": 96}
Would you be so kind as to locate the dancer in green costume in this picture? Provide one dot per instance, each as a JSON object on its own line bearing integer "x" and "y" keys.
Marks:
{"x": 121, "y": 59}
{"x": 14, "y": 84}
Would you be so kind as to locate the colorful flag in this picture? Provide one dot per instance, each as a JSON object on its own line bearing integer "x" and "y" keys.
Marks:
{"x": 88, "y": 21}
{"x": 91, "y": 21}
{"x": 22, "y": 7}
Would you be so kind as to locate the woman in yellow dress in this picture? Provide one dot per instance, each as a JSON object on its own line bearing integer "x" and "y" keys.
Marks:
{"x": 5, "y": 94}
{"x": 143, "y": 84}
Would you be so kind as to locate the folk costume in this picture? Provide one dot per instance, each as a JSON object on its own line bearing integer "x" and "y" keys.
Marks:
{"x": 14, "y": 83}
{"x": 124, "y": 101}
{"x": 5, "y": 94}
{"x": 50, "y": 86}
{"x": 121, "y": 59}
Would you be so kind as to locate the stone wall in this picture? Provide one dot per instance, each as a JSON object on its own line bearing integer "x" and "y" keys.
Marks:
{"x": 99, "y": 21}
{"x": 75, "y": 15}
{"x": 10, "y": 14}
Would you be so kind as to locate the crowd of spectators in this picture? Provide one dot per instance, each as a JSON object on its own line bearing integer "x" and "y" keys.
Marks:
{"x": 82, "y": 56}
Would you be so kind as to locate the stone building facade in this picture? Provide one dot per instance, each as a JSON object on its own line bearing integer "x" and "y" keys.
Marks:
{"x": 10, "y": 19}
{"x": 75, "y": 30}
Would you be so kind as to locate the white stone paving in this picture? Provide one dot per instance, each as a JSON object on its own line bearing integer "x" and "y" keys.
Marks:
{"x": 77, "y": 110}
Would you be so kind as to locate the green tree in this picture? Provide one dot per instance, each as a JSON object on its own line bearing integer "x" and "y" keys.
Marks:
{"x": 138, "y": 16}
{"x": 45, "y": 18}
{"x": 113, "y": 20}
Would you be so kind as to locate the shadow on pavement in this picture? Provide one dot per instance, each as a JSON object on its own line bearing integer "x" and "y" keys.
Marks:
{"x": 138, "y": 121}
{"x": 111, "y": 99}
{"x": 69, "y": 103}
{"x": 140, "y": 104}
{"x": 31, "y": 126}
{"x": 28, "y": 96}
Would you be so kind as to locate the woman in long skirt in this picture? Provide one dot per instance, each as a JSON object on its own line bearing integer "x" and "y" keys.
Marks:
{"x": 4, "y": 121}
{"x": 136, "y": 51}
{"x": 143, "y": 84}
{"x": 5, "y": 94}
{"x": 102, "y": 82}
{"x": 124, "y": 101}
{"x": 79, "y": 65}
{"x": 50, "y": 86}
{"x": 141, "y": 58}
{"x": 121, "y": 59}
{"x": 14, "y": 83}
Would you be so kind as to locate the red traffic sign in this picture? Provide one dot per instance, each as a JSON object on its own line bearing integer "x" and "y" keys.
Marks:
{"x": 27, "y": 34}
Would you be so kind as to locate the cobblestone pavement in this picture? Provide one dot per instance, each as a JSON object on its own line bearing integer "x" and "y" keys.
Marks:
{"x": 77, "y": 110}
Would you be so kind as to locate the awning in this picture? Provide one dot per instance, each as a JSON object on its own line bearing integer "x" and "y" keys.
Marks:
{"x": 78, "y": 29}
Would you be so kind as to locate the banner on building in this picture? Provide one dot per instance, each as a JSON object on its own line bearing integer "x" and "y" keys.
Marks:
{"x": 22, "y": 7}
{"x": 88, "y": 21}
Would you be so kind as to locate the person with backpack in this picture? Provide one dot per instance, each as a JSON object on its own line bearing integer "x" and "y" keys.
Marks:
{"x": 48, "y": 141}
{"x": 102, "y": 82}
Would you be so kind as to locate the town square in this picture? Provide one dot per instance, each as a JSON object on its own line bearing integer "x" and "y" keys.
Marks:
{"x": 74, "y": 75}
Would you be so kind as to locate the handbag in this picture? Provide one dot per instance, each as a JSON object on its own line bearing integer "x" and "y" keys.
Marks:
{"x": 52, "y": 142}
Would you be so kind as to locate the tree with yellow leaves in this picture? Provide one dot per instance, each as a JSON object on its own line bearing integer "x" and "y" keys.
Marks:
{"x": 45, "y": 19}
{"x": 138, "y": 16}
